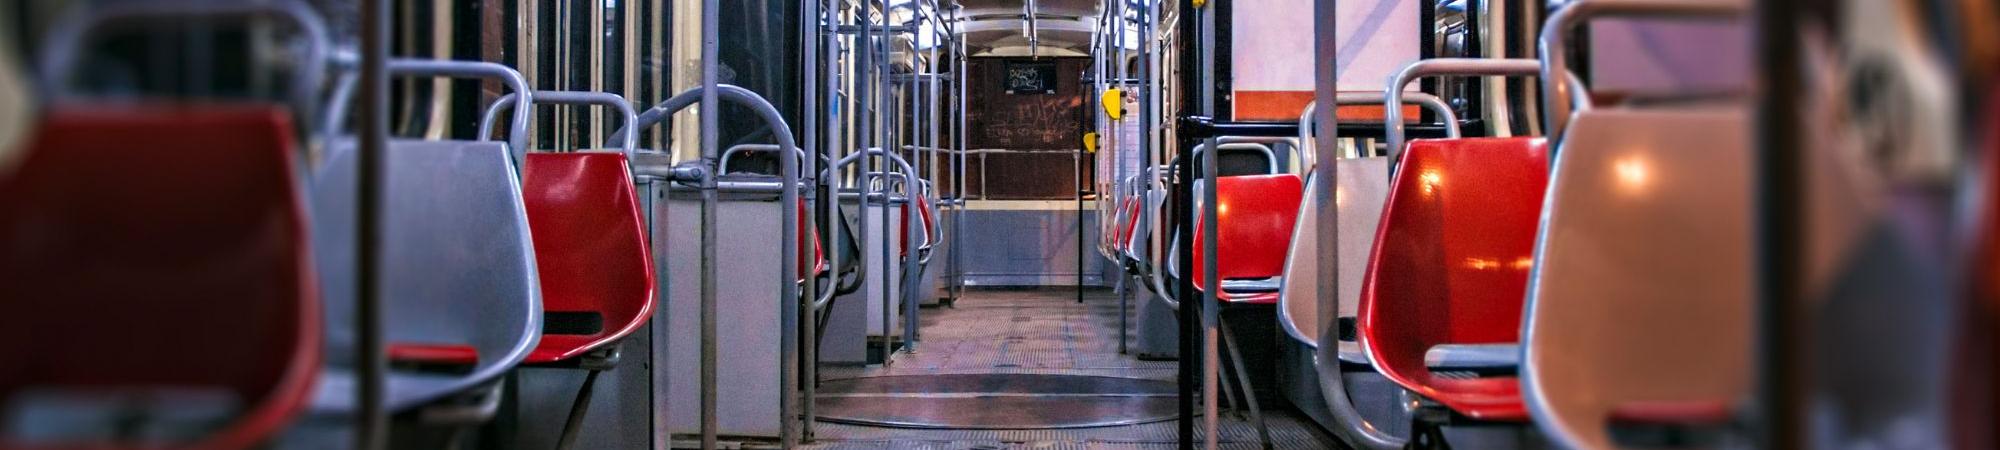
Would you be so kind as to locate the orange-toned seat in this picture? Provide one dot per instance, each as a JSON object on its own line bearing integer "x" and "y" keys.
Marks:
{"x": 809, "y": 235}
{"x": 923, "y": 210}
{"x": 1254, "y": 218}
{"x": 190, "y": 271}
{"x": 1612, "y": 341}
{"x": 1123, "y": 242}
{"x": 590, "y": 251}
{"x": 1450, "y": 266}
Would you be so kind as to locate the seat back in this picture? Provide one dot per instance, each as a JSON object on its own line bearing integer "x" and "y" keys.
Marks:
{"x": 591, "y": 252}
{"x": 1130, "y": 215}
{"x": 1239, "y": 160}
{"x": 159, "y": 248}
{"x": 1142, "y": 229}
{"x": 1641, "y": 293}
{"x": 1254, "y": 216}
{"x": 924, "y": 212}
{"x": 812, "y": 254}
{"x": 1450, "y": 263}
{"x": 1363, "y": 187}
{"x": 457, "y": 267}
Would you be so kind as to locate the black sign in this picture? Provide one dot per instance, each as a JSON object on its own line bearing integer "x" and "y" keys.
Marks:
{"x": 1031, "y": 78}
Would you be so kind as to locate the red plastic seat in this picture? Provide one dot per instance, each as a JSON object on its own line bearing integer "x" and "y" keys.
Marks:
{"x": 1450, "y": 264}
{"x": 590, "y": 249}
{"x": 809, "y": 235}
{"x": 159, "y": 248}
{"x": 1254, "y": 216}
{"x": 924, "y": 210}
{"x": 1123, "y": 242}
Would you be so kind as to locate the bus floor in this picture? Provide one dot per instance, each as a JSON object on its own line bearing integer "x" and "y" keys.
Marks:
{"x": 1045, "y": 332}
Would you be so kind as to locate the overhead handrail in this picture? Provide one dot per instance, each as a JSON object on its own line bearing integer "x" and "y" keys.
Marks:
{"x": 627, "y": 143}
{"x": 67, "y": 36}
{"x": 1565, "y": 98}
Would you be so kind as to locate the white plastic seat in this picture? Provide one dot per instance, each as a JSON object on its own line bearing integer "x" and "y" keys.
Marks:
{"x": 1363, "y": 189}
{"x": 1640, "y": 300}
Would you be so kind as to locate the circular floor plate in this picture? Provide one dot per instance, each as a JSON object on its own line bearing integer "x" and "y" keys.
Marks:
{"x": 996, "y": 401}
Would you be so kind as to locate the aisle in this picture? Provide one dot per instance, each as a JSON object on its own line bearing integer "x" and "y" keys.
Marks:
{"x": 1042, "y": 331}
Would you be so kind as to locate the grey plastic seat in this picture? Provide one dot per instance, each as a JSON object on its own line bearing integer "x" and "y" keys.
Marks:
{"x": 457, "y": 270}
{"x": 1364, "y": 188}
{"x": 1640, "y": 301}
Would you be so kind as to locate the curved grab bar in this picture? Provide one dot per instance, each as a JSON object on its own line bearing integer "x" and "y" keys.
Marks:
{"x": 517, "y": 129}
{"x": 1308, "y": 126}
{"x": 788, "y": 216}
{"x": 851, "y": 158}
{"x": 789, "y": 167}
{"x": 934, "y": 233}
{"x": 1392, "y": 116}
{"x": 923, "y": 193}
{"x": 1483, "y": 67}
{"x": 61, "y": 53}
{"x": 659, "y": 113}
{"x": 628, "y": 143}
{"x": 1554, "y": 44}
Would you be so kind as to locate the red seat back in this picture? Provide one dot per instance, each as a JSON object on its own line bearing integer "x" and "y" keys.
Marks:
{"x": 1452, "y": 255}
{"x": 1255, "y": 215}
{"x": 812, "y": 257}
{"x": 1124, "y": 233}
{"x": 590, "y": 250}
{"x": 160, "y": 247}
{"x": 924, "y": 210}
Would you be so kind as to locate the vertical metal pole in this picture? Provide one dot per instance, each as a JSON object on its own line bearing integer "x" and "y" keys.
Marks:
{"x": 710, "y": 146}
{"x": 372, "y": 427}
{"x": 1780, "y": 229}
{"x": 864, "y": 81}
{"x": 788, "y": 276}
{"x": 1210, "y": 358}
{"x": 809, "y": 37}
{"x": 1076, "y": 168}
{"x": 1118, "y": 171}
{"x": 1326, "y": 146}
{"x": 1189, "y": 36}
{"x": 798, "y": 351}
{"x": 962, "y": 136}
{"x": 933, "y": 114}
{"x": 1077, "y": 171}
{"x": 912, "y": 214}
{"x": 1326, "y": 253}
{"x": 882, "y": 71}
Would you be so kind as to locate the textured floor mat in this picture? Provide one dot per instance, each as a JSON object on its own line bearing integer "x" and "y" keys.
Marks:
{"x": 996, "y": 401}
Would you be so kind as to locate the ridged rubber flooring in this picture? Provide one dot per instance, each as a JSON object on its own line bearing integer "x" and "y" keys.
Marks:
{"x": 1040, "y": 331}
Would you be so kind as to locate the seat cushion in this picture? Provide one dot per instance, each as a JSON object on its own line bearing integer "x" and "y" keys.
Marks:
{"x": 1252, "y": 286}
{"x": 1474, "y": 357}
